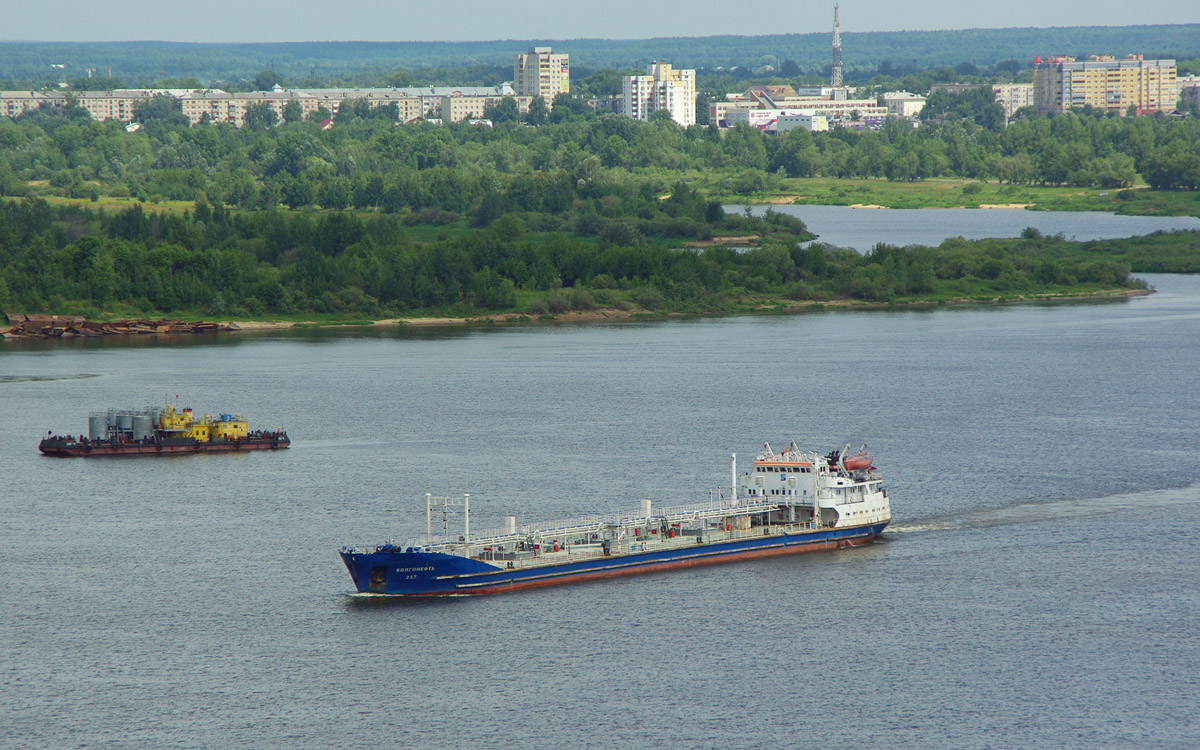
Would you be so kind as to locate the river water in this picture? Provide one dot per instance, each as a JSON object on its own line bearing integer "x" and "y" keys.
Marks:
{"x": 863, "y": 228}
{"x": 1039, "y": 587}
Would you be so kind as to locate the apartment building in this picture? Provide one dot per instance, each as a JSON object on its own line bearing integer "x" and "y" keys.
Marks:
{"x": 217, "y": 106}
{"x": 1104, "y": 82}
{"x": 664, "y": 88}
{"x": 101, "y": 105}
{"x": 606, "y": 104}
{"x": 1013, "y": 96}
{"x": 411, "y": 103}
{"x": 14, "y": 103}
{"x": 1189, "y": 90}
{"x": 541, "y": 72}
{"x": 220, "y": 106}
{"x": 464, "y": 106}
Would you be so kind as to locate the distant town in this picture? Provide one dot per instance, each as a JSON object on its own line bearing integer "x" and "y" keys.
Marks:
{"x": 1129, "y": 85}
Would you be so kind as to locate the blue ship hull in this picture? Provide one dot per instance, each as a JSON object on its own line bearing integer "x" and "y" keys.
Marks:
{"x": 392, "y": 571}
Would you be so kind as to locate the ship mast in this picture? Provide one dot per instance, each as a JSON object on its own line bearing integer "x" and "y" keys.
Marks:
{"x": 836, "y": 77}
{"x": 733, "y": 476}
{"x": 445, "y": 503}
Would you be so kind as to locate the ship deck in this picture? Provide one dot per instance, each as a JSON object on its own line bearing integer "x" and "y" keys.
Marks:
{"x": 571, "y": 553}
{"x": 594, "y": 537}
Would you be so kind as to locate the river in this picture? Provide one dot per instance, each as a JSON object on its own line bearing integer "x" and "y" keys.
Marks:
{"x": 1038, "y": 587}
{"x": 863, "y": 228}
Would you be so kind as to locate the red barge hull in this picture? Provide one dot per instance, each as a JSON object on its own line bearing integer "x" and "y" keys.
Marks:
{"x": 74, "y": 448}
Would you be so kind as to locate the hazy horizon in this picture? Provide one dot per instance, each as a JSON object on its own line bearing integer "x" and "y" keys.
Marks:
{"x": 270, "y": 21}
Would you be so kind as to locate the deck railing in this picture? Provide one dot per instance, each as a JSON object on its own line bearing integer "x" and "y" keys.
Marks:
{"x": 593, "y": 524}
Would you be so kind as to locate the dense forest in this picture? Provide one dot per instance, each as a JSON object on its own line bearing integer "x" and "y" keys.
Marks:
{"x": 211, "y": 261}
{"x": 28, "y": 64}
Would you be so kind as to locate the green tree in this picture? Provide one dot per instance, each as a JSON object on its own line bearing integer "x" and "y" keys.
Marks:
{"x": 538, "y": 111}
{"x": 292, "y": 111}
{"x": 161, "y": 109}
{"x": 266, "y": 80}
{"x": 503, "y": 110}
{"x": 259, "y": 116}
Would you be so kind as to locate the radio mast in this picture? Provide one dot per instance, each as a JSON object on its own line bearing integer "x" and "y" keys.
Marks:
{"x": 836, "y": 77}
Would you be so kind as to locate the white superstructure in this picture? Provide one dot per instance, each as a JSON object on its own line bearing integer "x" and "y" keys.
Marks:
{"x": 845, "y": 488}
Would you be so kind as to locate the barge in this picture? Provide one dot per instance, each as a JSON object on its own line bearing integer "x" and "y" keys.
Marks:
{"x": 154, "y": 432}
{"x": 789, "y": 502}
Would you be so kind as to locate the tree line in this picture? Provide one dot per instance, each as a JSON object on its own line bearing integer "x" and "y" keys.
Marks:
{"x": 373, "y": 63}
{"x": 212, "y": 261}
{"x": 368, "y": 161}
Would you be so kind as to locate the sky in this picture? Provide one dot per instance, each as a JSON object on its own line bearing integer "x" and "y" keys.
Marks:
{"x": 474, "y": 20}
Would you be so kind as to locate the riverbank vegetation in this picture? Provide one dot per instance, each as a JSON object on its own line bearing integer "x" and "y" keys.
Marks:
{"x": 211, "y": 262}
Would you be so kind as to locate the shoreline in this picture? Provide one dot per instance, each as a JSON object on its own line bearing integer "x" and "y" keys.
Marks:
{"x": 611, "y": 314}
{"x": 799, "y": 200}
{"x": 616, "y": 315}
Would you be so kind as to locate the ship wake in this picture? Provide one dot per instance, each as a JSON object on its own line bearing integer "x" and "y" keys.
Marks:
{"x": 1055, "y": 510}
{"x": 42, "y": 378}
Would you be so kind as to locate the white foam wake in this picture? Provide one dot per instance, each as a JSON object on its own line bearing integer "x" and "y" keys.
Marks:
{"x": 1032, "y": 512}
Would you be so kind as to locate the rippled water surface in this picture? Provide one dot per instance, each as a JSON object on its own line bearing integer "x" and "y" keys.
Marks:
{"x": 1039, "y": 587}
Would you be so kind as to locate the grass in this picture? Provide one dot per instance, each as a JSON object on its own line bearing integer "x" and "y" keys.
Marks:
{"x": 110, "y": 203}
{"x": 950, "y": 193}
{"x": 830, "y": 191}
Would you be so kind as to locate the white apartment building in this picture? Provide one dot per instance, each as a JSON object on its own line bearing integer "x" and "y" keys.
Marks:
{"x": 215, "y": 106}
{"x": 540, "y": 72}
{"x": 1013, "y": 96}
{"x": 664, "y": 88}
{"x": 903, "y": 103}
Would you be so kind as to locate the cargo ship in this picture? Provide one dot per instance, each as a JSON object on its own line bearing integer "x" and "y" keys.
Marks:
{"x": 152, "y": 431}
{"x": 789, "y": 502}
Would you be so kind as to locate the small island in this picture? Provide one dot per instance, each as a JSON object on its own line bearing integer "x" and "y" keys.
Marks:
{"x": 668, "y": 254}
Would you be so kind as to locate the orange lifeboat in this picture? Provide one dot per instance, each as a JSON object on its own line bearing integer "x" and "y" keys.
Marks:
{"x": 857, "y": 462}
